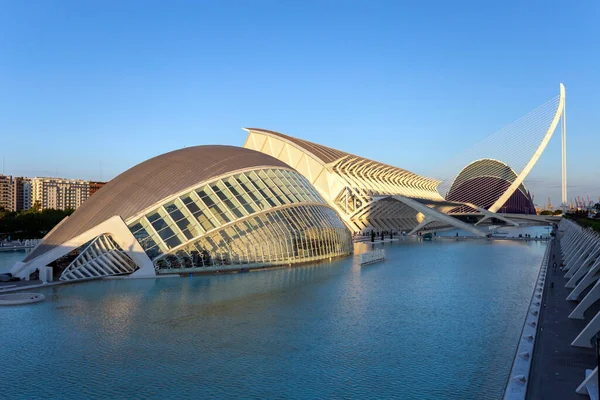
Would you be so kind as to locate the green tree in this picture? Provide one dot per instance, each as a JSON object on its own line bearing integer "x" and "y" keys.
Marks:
{"x": 30, "y": 224}
{"x": 557, "y": 212}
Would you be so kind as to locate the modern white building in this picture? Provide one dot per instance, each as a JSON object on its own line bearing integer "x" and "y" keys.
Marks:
{"x": 203, "y": 208}
{"x": 279, "y": 200}
{"x": 367, "y": 194}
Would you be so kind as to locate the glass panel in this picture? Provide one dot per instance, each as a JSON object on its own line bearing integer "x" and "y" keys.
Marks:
{"x": 135, "y": 227}
{"x": 141, "y": 234}
{"x": 176, "y": 215}
{"x": 192, "y": 206}
{"x": 154, "y": 252}
{"x": 286, "y": 236}
{"x": 262, "y": 189}
{"x": 173, "y": 241}
{"x": 205, "y": 222}
{"x": 189, "y": 234}
{"x": 157, "y": 222}
{"x": 166, "y": 233}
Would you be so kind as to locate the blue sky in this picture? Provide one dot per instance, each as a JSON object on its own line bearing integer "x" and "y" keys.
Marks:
{"x": 91, "y": 88}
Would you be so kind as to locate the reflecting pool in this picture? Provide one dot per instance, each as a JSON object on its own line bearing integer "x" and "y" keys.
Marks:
{"x": 437, "y": 319}
{"x": 9, "y": 258}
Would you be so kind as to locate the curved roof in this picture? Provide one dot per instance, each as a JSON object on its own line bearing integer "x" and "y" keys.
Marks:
{"x": 151, "y": 181}
{"x": 486, "y": 167}
{"x": 328, "y": 155}
{"x": 484, "y": 181}
{"x": 324, "y": 153}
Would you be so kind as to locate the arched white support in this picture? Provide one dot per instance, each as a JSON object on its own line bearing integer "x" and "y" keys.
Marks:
{"x": 435, "y": 215}
{"x": 590, "y": 277}
{"x": 567, "y": 245}
{"x": 488, "y": 214}
{"x": 574, "y": 252}
{"x": 589, "y": 386}
{"x": 589, "y": 299}
{"x": 115, "y": 227}
{"x": 575, "y": 245}
{"x": 572, "y": 241}
{"x": 585, "y": 267}
{"x": 585, "y": 337}
{"x": 421, "y": 225}
{"x": 568, "y": 241}
{"x": 579, "y": 260}
{"x": 536, "y": 155}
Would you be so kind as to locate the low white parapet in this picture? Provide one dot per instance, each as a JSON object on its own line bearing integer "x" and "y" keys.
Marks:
{"x": 516, "y": 387}
{"x": 372, "y": 256}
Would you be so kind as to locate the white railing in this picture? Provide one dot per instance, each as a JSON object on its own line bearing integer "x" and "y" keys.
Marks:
{"x": 372, "y": 256}
{"x": 516, "y": 387}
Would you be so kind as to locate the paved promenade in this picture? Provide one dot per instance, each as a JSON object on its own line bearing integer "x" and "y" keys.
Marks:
{"x": 558, "y": 368}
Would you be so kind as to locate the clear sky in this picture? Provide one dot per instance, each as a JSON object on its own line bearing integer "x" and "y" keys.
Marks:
{"x": 91, "y": 88}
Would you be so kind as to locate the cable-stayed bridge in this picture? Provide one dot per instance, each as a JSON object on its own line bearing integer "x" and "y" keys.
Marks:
{"x": 492, "y": 173}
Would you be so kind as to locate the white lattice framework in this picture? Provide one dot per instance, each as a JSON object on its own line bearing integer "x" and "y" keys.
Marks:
{"x": 519, "y": 145}
{"x": 101, "y": 257}
{"x": 352, "y": 185}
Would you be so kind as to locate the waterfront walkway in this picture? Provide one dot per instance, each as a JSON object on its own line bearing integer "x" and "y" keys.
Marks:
{"x": 558, "y": 368}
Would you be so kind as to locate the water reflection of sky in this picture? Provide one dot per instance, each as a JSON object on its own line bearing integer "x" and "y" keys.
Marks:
{"x": 447, "y": 309}
{"x": 9, "y": 258}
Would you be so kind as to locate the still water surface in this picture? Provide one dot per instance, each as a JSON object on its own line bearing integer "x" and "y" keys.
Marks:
{"x": 9, "y": 258}
{"x": 438, "y": 319}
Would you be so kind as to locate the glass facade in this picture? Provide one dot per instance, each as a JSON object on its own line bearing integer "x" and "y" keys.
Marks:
{"x": 265, "y": 216}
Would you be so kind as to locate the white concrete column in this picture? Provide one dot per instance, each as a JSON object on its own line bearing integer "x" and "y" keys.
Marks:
{"x": 583, "y": 254}
{"x": 585, "y": 337}
{"x": 573, "y": 240}
{"x": 584, "y": 267}
{"x": 588, "y": 300}
{"x": 577, "y": 256}
{"x": 568, "y": 241}
{"x": 575, "y": 249}
{"x": 578, "y": 240}
{"x": 587, "y": 280}
{"x": 590, "y": 381}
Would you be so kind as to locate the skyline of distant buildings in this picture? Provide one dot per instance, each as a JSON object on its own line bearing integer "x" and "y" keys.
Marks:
{"x": 23, "y": 193}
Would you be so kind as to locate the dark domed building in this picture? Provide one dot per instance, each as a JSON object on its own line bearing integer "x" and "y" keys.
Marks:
{"x": 484, "y": 181}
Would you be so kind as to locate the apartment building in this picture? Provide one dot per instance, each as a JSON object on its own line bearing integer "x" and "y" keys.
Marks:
{"x": 95, "y": 186}
{"x": 6, "y": 193}
{"x": 21, "y": 193}
{"x": 59, "y": 193}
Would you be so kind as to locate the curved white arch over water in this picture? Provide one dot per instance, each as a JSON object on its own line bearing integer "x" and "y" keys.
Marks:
{"x": 536, "y": 156}
{"x": 518, "y": 145}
